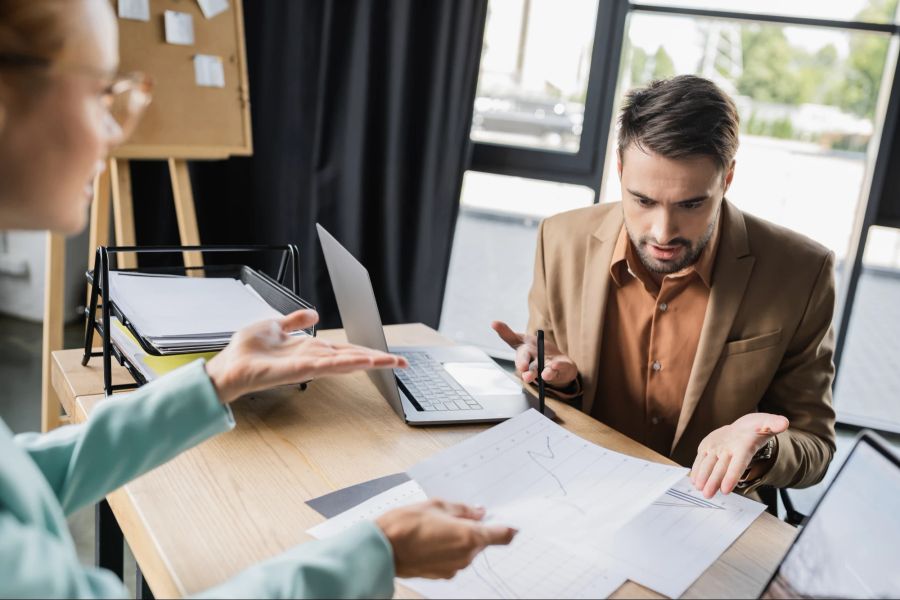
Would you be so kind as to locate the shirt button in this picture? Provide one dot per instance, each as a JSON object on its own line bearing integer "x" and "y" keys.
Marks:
{"x": 663, "y": 307}
{"x": 655, "y": 420}
{"x": 657, "y": 365}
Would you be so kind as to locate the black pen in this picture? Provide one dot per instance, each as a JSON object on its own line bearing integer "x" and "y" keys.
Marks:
{"x": 540, "y": 368}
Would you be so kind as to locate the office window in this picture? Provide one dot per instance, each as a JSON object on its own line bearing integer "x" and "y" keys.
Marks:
{"x": 869, "y": 11}
{"x": 493, "y": 253}
{"x": 867, "y": 384}
{"x": 807, "y": 97}
{"x": 534, "y": 72}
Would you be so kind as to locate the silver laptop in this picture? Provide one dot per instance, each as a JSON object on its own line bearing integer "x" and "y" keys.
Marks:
{"x": 850, "y": 546}
{"x": 443, "y": 384}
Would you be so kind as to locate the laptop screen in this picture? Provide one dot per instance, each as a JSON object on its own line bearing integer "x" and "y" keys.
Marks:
{"x": 850, "y": 548}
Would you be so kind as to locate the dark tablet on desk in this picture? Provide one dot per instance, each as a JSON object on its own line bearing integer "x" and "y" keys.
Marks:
{"x": 850, "y": 547}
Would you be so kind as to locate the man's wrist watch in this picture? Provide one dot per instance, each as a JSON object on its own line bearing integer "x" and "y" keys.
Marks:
{"x": 763, "y": 454}
{"x": 766, "y": 452}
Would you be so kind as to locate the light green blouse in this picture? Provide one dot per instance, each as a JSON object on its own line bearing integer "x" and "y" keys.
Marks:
{"x": 45, "y": 477}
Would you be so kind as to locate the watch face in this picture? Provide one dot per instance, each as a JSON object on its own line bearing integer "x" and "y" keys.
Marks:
{"x": 765, "y": 452}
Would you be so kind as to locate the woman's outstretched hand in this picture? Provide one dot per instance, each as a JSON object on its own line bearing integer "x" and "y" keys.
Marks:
{"x": 264, "y": 355}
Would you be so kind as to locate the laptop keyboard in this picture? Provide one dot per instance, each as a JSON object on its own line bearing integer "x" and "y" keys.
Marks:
{"x": 431, "y": 387}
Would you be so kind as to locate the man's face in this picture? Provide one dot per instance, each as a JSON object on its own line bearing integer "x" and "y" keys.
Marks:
{"x": 671, "y": 206}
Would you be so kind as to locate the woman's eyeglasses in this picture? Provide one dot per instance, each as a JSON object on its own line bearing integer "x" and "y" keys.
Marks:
{"x": 125, "y": 98}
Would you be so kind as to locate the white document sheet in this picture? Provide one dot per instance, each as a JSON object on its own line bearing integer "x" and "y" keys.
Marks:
{"x": 136, "y": 10}
{"x": 671, "y": 543}
{"x": 530, "y": 567}
{"x": 209, "y": 71}
{"x": 369, "y": 510}
{"x": 532, "y": 474}
{"x": 179, "y": 28}
{"x": 187, "y": 306}
{"x": 211, "y": 8}
{"x": 588, "y": 518}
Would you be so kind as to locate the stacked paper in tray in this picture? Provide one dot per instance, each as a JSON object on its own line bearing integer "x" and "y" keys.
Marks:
{"x": 177, "y": 315}
{"x": 151, "y": 367}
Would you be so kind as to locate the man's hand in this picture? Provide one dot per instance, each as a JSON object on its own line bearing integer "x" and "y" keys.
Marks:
{"x": 725, "y": 454}
{"x": 263, "y": 355}
{"x": 559, "y": 369}
{"x": 435, "y": 539}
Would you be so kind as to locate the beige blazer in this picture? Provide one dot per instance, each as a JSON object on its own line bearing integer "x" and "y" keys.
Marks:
{"x": 766, "y": 345}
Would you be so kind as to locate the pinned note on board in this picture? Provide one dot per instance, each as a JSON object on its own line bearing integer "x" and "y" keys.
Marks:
{"x": 136, "y": 10}
{"x": 211, "y": 8}
{"x": 208, "y": 71}
{"x": 179, "y": 28}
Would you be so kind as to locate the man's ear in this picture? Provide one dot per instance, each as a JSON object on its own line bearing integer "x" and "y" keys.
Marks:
{"x": 729, "y": 175}
{"x": 619, "y": 163}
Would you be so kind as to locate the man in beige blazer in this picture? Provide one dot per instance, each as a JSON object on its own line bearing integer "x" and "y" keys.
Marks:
{"x": 674, "y": 317}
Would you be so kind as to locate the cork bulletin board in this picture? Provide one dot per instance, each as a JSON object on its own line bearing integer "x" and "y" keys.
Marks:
{"x": 187, "y": 120}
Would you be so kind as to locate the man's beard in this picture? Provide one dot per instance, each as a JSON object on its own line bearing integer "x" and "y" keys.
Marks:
{"x": 690, "y": 256}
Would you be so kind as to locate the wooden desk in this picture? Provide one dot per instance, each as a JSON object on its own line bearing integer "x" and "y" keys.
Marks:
{"x": 239, "y": 498}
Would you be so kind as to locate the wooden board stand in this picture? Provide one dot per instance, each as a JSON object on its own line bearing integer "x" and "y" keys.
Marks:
{"x": 184, "y": 122}
{"x": 112, "y": 190}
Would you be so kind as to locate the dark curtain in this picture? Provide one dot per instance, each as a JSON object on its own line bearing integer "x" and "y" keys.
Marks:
{"x": 361, "y": 113}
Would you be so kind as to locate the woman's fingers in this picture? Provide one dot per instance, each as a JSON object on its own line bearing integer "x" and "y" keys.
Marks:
{"x": 462, "y": 511}
{"x": 493, "y": 535}
{"x": 355, "y": 360}
{"x": 299, "y": 319}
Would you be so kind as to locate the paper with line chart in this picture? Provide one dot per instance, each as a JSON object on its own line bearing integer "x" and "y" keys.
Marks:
{"x": 671, "y": 543}
{"x": 369, "y": 510}
{"x": 532, "y": 474}
{"x": 509, "y": 572}
{"x": 530, "y": 567}
{"x": 566, "y": 496}
{"x": 588, "y": 517}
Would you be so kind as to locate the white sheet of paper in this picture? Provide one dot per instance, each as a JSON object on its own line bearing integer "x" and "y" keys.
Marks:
{"x": 532, "y": 474}
{"x": 482, "y": 379}
{"x": 401, "y": 495}
{"x": 530, "y": 567}
{"x": 671, "y": 543}
{"x": 211, "y": 8}
{"x": 136, "y": 10}
{"x": 208, "y": 71}
{"x": 187, "y": 306}
{"x": 179, "y": 28}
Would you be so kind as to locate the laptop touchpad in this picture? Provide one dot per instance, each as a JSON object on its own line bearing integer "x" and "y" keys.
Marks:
{"x": 482, "y": 379}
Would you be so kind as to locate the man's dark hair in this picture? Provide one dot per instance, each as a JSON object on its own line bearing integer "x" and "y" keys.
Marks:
{"x": 680, "y": 117}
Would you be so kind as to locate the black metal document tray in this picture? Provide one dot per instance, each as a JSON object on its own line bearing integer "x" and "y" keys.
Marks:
{"x": 274, "y": 291}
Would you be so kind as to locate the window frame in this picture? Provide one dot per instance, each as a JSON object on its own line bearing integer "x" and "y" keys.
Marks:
{"x": 585, "y": 166}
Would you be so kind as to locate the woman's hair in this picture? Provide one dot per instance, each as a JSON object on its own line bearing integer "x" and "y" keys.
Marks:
{"x": 32, "y": 29}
